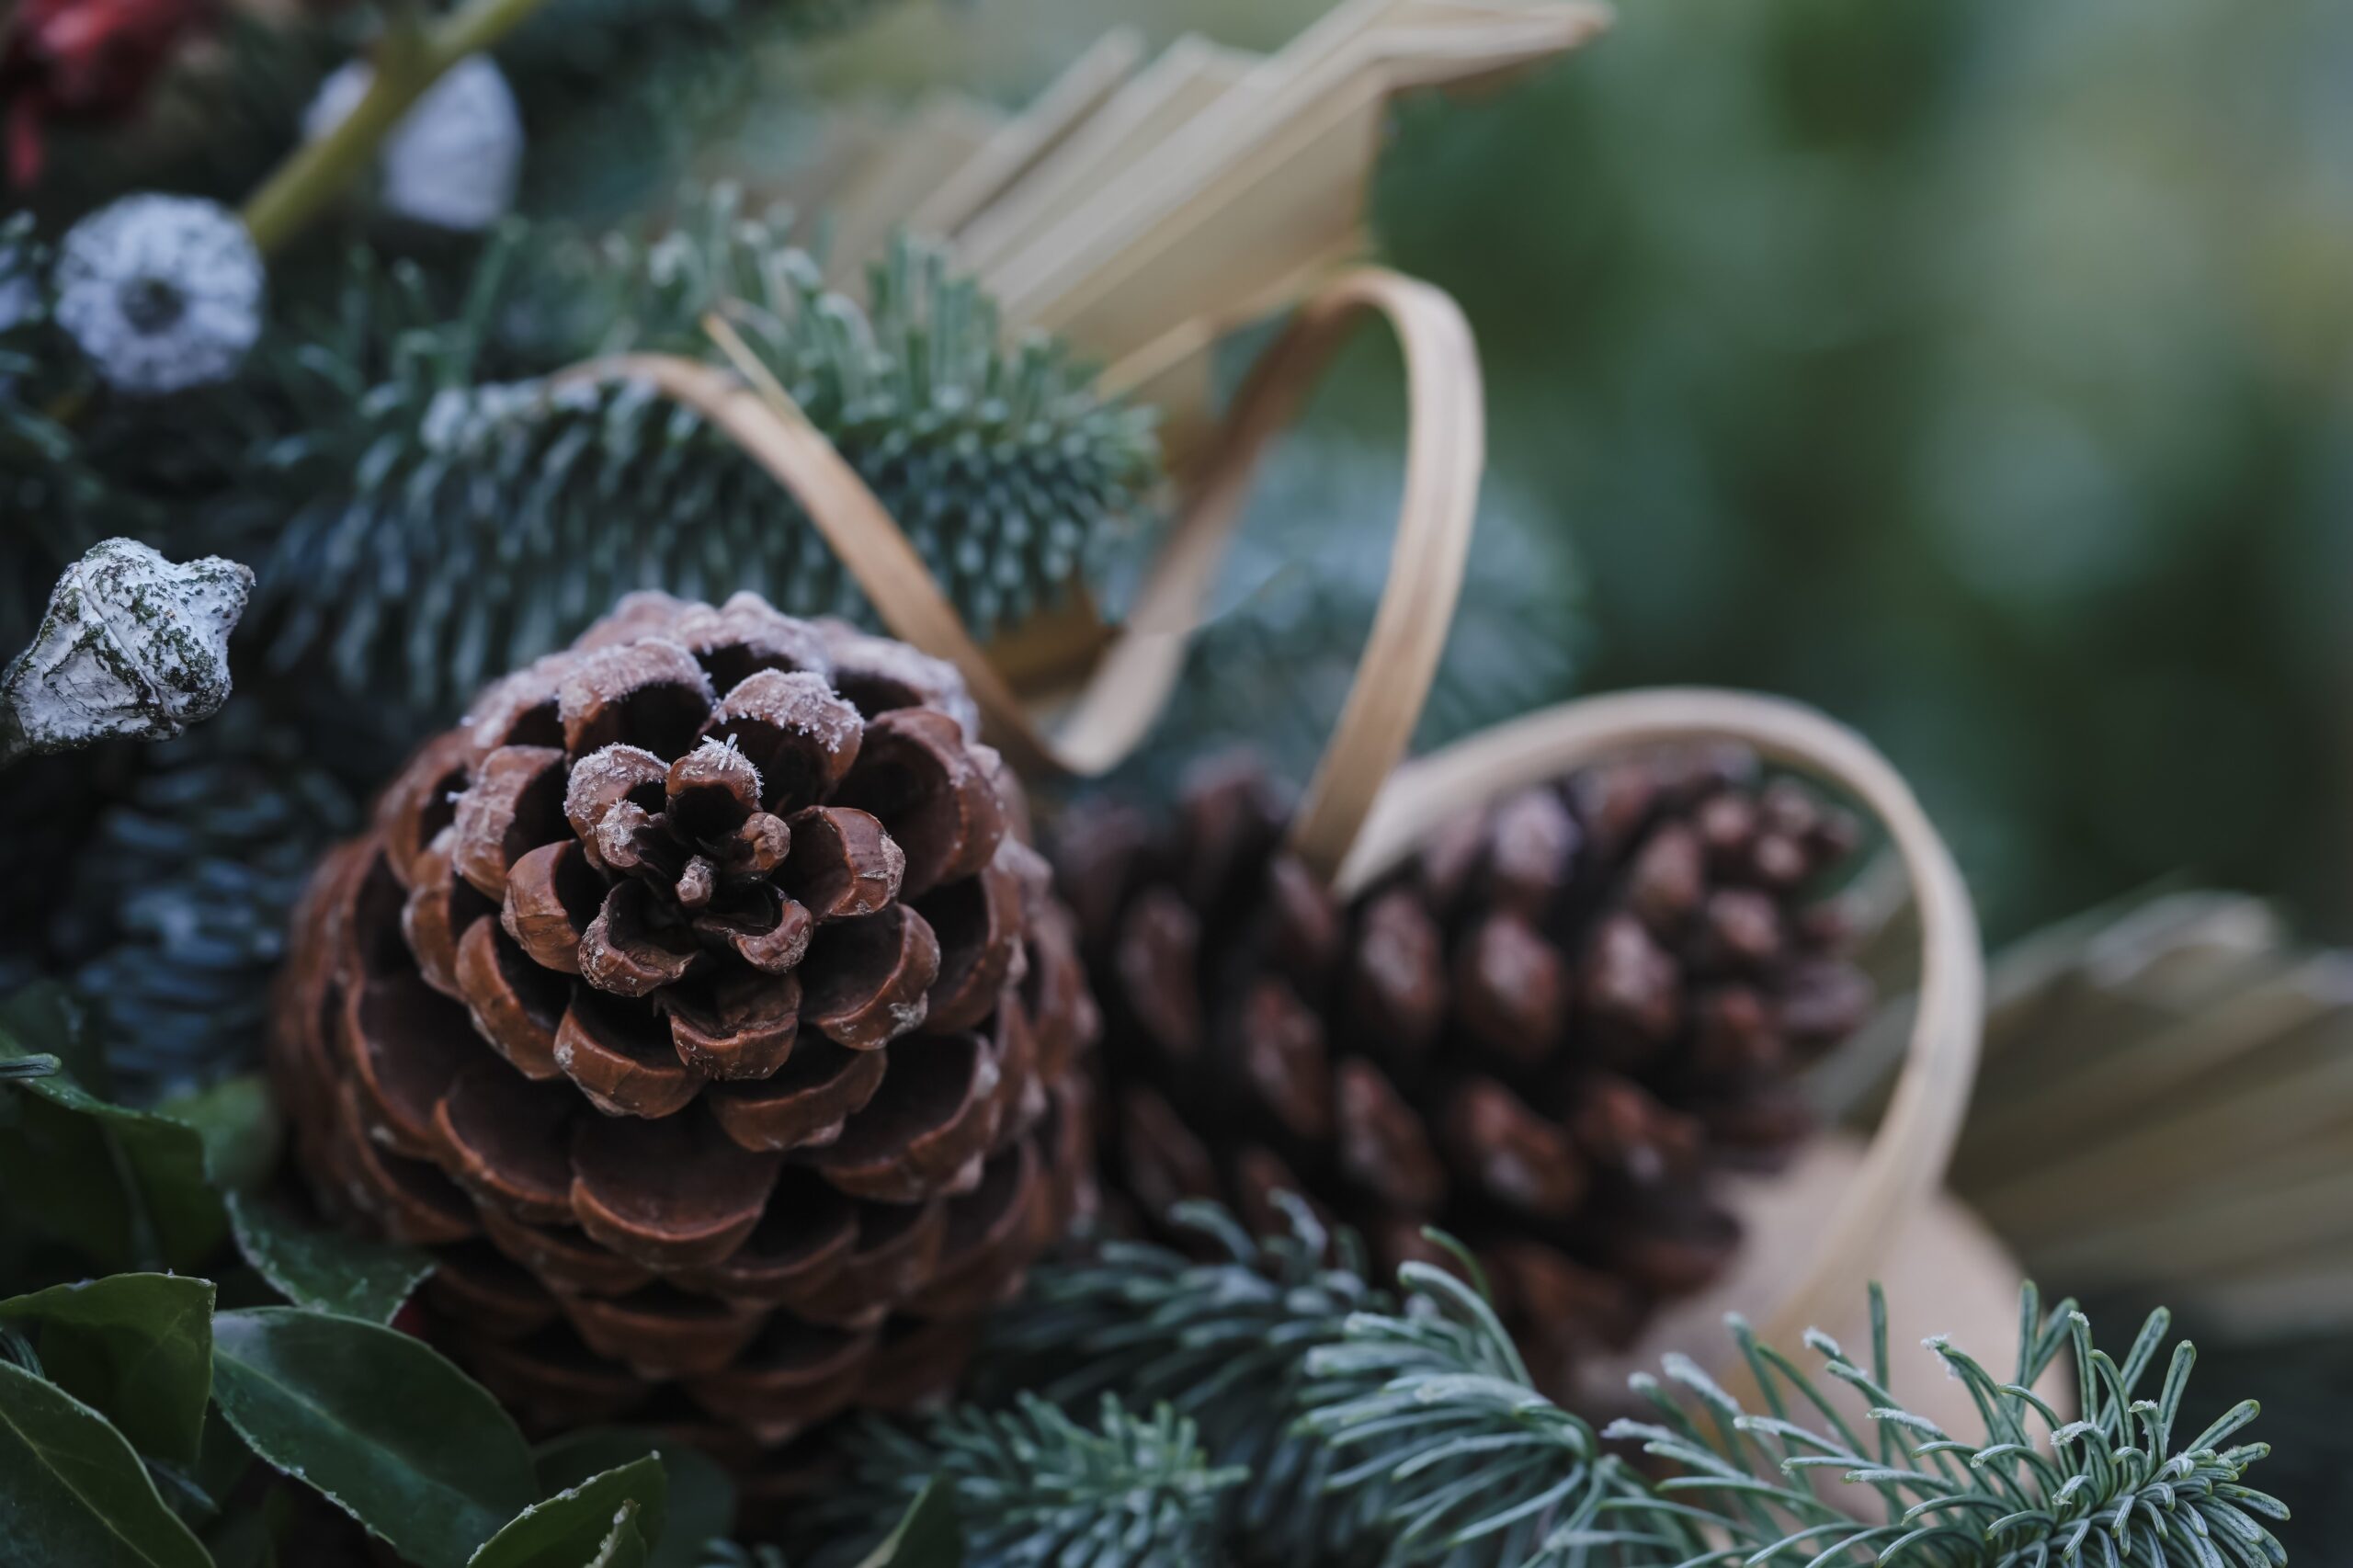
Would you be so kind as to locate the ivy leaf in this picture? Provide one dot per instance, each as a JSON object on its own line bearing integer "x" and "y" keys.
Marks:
{"x": 927, "y": 1536}
{"x": 625, "y": 1546}
{"x": 135, "y": 1347}
{"x": 701, "y": 1504}
{"x": 329, "y": 1271}
{"x": 378, "y": 1423}
{"x": 73, "y": 1491}
{"x": 572, "y": 1526}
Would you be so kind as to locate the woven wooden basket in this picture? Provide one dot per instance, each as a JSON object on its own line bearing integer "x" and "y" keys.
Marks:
{"x": 1866, "y": 1214}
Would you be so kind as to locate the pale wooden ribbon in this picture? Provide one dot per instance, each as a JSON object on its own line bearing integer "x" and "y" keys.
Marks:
{"x": 1130, "y": 684}
{"x": 1905, "y": 1166}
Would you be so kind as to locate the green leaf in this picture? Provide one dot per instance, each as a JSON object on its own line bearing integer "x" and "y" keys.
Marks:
{"x": 376, "y": 1421}
{"x": 135, "y": 1347}
{"x": 330, "y": 1271}
{"x": 73, "y": 1493}
{"x": 701, "y": 1504}
{"x": 572, "y": 1526}
{"x": 50, "y": 1013}
{"x": 249, "y": 1538}
{"x": 126, "y": 1189}
{"x": 238, "y": 1120}
{"x": 625, "y": 1546}
{"x": 927, "y": 1534}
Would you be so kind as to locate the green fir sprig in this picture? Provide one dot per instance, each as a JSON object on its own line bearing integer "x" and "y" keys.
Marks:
{"x": 1224, "y": 1340}
{"x": 445, "y": 510}
{"x": 1031, "y": 1484}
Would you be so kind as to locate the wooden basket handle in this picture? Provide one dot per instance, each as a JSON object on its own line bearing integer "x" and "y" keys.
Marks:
{"x": 1904, "y": 1165}
{"x": 1130, "y": 684}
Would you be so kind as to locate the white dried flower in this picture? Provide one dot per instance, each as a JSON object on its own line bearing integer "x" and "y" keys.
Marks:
{"x": 130, "y": 645}
{"x": 162, "y": 292}
{"x": 454, "y": 158}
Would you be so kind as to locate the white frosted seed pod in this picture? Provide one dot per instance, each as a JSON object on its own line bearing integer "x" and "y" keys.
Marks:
{"x": 130, "y": 645}
{"x": 161, "y": 292}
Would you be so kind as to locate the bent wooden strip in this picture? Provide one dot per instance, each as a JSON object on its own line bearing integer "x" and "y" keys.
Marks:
{"x": 1905, "y": 1166}
{"x": 1130, "y": 684}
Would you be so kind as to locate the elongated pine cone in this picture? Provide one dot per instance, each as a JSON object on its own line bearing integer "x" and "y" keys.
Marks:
{"x": 699, "y": 1001}
{"x": 1540, "y": 1035}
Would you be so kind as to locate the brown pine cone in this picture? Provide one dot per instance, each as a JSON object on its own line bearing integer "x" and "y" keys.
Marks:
{"x": 1540, "y": 1035}
{"x": 699, "y": 1001}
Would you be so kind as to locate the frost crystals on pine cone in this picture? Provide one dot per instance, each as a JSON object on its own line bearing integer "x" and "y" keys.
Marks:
{"x": 130, "y": 645}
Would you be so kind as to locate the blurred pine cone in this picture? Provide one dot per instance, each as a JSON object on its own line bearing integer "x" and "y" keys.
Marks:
{"x": 1538, "y": 1035}
{"x": 180, "y": 898}
{"x": 699, "y": 1001}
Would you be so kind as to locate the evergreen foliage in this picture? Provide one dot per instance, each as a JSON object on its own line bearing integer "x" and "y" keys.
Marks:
{"x": 1032, "y": 1485}
{"x": 443, "y": 511}
{"x": 1407, "y": 1431}
{"x": 183, "y": 891}
{"x": 618, "y": 95}
{"x": 1223, "y": 1340}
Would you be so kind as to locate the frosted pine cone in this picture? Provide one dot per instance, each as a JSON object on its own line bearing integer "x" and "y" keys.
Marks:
{"x": 1540, "y": 1035}
{"x": 698, "y": 999}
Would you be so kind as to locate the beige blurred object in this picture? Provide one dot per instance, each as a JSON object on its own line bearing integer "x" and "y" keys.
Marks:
{"x": 2165, "y": 1110}
{"x": 1944, "y": 1272}
{"x": 1144, "y": 209}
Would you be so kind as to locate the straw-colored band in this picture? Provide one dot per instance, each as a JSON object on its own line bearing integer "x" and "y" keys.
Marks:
{"x": 1905, "y": 1163}
{"x": 1131, "y": 683}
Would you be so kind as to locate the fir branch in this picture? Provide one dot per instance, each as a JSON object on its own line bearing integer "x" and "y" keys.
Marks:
{"x": 2116, "y": 1487}
{"x": 1032, "y": 1485}
{"x": 1478, "y": 1467}
{"x": 442, "y": 511}
{"x": 1224, "y": 1341}
{"x": 1405, "y": 1432}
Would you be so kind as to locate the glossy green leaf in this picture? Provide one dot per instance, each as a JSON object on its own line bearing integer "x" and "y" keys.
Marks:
{"x": 927, "y": 1536}
{"x": 573, "y": 1524}
{"x": 135, "y": 1347}
{"x": 248, "y": 1538}
{"x": 379, "y": 1423}
{"x": 125, "y": 1188}
{"x": 73, "y": 1493}
{"x": 624, "y": 1545}
{"x": 331, "y": 1271}
{"x": 237, "y": 1117}
{"x": 701, "y": 1494}
{"x": 51, "y": 1017}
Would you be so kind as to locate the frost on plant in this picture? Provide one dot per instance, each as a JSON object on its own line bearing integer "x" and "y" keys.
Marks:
{"x": 161, "y": 292}
{"x": 130, "y": 645}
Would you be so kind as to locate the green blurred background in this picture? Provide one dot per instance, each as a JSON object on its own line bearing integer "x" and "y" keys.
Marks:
{"x": 1981, "y": 370}
{"x": 1977, "y": 369}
